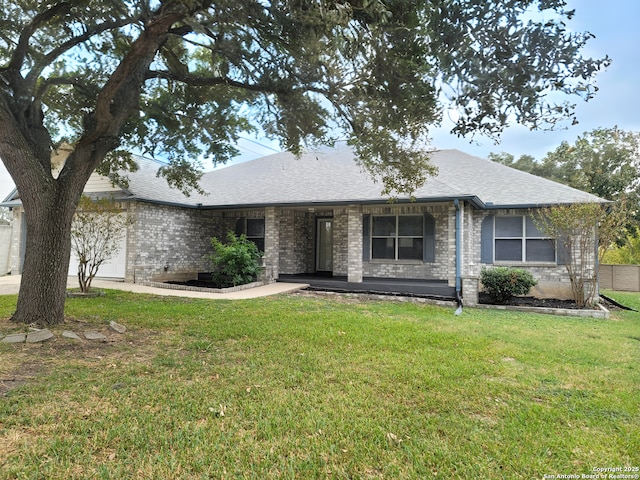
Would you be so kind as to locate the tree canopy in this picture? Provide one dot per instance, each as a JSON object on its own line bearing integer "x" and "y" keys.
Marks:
{"x": 181, "y": 79}
{"x": 604, "y": 162}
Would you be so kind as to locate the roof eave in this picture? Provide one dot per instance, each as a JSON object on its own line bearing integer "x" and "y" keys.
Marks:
{"x": 521, "y": 206}
{"x": 324, "y": 203}
{"x": 9, "y": 197}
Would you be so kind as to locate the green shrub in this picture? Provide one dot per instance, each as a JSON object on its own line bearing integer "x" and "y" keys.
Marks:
{"x": 502, "y": 283}
{"x": 235, "y": 262}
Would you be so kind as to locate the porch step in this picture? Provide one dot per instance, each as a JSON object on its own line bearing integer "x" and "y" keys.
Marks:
{"x": 433, "y": 289}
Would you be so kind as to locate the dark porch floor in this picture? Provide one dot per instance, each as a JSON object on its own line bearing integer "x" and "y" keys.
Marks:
{"x": 434, "y": 289}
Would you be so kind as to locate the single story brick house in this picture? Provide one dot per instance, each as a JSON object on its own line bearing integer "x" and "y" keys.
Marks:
{"x": 321, "y": 213}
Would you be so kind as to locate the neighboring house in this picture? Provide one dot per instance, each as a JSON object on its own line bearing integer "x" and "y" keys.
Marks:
{"x": 322, "y": 213}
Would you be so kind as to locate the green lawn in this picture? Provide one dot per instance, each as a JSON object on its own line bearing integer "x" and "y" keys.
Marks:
{"x": 315, "y": 387}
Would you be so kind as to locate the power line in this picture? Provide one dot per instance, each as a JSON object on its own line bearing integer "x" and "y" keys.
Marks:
{"x": 268, "y": 147}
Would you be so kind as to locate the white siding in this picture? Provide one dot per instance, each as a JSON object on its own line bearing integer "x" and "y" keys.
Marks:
{"x": 98, "y": 183}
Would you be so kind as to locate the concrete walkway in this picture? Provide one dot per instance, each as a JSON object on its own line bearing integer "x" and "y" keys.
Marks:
{"x": 10, "y": 284}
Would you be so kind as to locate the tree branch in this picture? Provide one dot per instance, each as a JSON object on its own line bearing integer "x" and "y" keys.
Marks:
{"x": 200, "y": 81}
{"x": 121, "y": 92}
{"x": 43, "y": 86}
{"x": 72, "y": 42}
{"x": 19, "y": 54}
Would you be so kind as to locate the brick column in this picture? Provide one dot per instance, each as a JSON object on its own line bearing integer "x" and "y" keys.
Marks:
{"x": 354, "y": 244}
{"x": 271, "y": 242}
{"x": 470, "y": 293}
{"x": 451, "y": 245}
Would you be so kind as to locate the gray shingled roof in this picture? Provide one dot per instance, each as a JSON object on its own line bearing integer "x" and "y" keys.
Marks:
{"x": 331, "y": 176}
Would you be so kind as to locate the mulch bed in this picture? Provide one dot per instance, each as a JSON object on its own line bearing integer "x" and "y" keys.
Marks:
{"x": 545, "y": 302}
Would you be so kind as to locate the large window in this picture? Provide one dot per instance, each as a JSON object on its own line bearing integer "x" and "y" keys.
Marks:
{"x": 253, "y": 228}
{"x": 397, "y": 237}
{"x": 518, "y": 240}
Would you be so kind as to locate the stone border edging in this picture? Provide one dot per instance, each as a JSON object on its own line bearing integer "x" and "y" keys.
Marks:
{"x": 602, "y": 312}
{"x": 170, "y": 286}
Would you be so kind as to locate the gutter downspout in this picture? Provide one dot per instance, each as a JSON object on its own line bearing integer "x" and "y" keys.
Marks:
{"x": 458, "y": 311}
{"x": 596, "y": 294}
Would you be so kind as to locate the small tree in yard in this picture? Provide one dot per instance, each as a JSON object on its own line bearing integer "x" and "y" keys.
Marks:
{"x": 583, "y": 232}
{"x": 96, "y": 231}
{"x": 236, "y": 262}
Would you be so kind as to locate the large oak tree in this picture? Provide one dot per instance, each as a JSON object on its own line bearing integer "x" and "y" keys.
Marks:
{"x": 183, "y": 78}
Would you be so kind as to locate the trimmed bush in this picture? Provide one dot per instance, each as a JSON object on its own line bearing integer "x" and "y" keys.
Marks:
{"x": 236, "y": 262}
{"x": 502, "y": 283}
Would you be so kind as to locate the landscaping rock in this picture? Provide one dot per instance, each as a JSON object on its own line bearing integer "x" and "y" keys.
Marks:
{"x": 39, "y": 336}
{"x": 93, "y": 294}
{"x": 94, "y": 336}
{"x": 15, "y": 338}
{"x": 116, "y": 327}
{"x": 71, "y": 335}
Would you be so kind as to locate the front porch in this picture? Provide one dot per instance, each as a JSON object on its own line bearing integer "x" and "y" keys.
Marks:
{"x": 432, "y": 289}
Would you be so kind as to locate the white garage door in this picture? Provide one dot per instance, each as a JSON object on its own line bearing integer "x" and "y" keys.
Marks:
{"x": 114, "y": 268}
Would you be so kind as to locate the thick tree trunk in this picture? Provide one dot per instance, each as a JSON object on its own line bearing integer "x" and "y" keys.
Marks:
{"x": 44, "y": 277}
{"x": 49, "y": 203}
{"x": 49, "y": 206}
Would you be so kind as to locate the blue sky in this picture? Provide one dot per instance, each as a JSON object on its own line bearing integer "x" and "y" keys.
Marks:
{"x": 617, "y": 102}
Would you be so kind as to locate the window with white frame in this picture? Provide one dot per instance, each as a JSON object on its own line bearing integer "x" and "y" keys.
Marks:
{"x": 517, "y": 239}
{"x": 397, "y": 237}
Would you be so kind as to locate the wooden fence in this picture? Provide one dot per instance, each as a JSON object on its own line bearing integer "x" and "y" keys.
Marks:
{"x": 624, "y": 278}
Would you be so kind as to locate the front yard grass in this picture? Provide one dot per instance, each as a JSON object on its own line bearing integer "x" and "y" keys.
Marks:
{"x": 315, "y": 387}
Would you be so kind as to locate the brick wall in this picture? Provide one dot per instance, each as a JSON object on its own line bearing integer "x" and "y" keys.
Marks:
{"x": 354, "y": 244}
{"x": 553, "y": 280}
{"x": 272, "y": 242}
{"x": 341, "y": 242}
{"x": 166, "y": 241}
{"x": 180, "y": 238}
{"x": 296, "y": 241}
{"x": 441, "y": 269}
